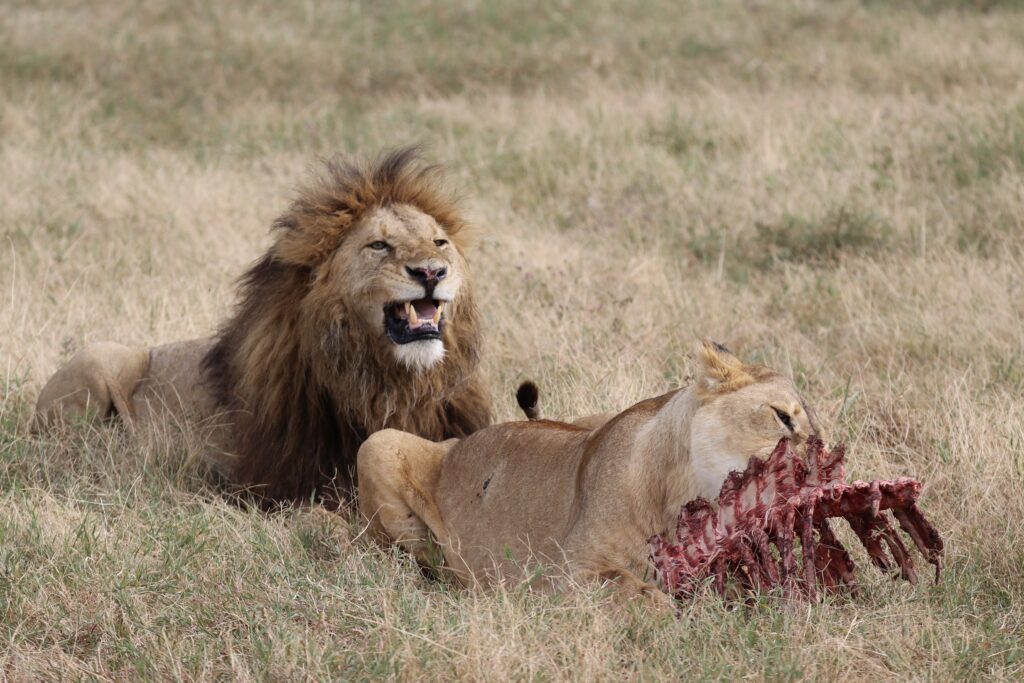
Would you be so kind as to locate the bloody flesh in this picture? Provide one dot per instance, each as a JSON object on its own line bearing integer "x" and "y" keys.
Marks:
{"x": 761, "y": 512}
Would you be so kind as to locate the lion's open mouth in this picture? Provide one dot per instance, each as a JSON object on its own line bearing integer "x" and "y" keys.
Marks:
{"x": 409, "y": 321}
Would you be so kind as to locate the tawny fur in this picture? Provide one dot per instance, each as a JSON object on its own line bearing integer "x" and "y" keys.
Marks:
{"x": 579, "y": 501}
{"x": 303, "y": 371}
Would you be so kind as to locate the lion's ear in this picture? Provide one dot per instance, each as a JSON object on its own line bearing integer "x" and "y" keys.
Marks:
{"x": 308, "y": 238}
{"x": 719, "y": 368}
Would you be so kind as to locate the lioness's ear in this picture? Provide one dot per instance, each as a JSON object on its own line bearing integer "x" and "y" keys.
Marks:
{"x": 719, "y": 368}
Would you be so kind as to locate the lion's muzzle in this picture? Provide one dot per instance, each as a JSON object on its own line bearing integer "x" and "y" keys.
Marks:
{"x": 417, "y": 320}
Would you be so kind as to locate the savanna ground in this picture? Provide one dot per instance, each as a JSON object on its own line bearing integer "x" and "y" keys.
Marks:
{"x": 834, "y": 188}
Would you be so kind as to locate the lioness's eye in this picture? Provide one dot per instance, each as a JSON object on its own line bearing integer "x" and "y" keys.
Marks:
{"x": 379, "y": 246}
{"x": 440, "y": 243}
{"x": 784, "y": 418}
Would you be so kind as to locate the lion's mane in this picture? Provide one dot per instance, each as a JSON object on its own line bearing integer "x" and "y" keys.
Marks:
{"x": 303, "y": 388}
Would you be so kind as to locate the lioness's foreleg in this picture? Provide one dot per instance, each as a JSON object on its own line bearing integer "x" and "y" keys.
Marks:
{"x": 397, "y": 474}
{"x": 628, "y": 586}
{"x": 99, "y": 380}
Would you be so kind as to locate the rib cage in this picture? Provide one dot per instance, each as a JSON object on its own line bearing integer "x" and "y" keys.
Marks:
{"x": 776, "y": 501}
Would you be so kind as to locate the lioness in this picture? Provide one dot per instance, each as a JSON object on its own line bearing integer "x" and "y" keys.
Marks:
{"x": 360, "y": 316}
{"x": 580, "y": 501}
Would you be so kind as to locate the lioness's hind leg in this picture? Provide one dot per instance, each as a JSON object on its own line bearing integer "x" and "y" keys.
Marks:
{"x": 98, "y": 380}
{"x": 397, "y": 474}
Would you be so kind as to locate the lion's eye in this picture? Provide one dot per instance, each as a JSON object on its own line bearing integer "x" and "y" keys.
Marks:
{"x": 379, "y": 246}
{"x": 784, "y": 418}
{"x": 440, "y": 243}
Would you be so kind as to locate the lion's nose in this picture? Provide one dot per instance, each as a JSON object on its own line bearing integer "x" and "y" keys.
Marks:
{"x": 427, "y": 275}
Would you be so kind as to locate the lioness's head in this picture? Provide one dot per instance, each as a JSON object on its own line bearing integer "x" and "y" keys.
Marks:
{"x": 743, "y": 411}
{"x": 387, "y": 275}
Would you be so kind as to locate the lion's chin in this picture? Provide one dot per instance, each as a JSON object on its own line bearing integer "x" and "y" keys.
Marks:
{"x": 420, "y": 355}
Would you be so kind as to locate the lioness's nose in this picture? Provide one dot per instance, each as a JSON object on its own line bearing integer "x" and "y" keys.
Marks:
{"x": 427, "y": 275}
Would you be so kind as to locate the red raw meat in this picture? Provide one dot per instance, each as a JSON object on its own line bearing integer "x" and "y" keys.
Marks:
{"x": 775, "y": 501}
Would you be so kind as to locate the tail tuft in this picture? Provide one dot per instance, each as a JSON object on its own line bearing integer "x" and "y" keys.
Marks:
{"x": 527, "y": 396}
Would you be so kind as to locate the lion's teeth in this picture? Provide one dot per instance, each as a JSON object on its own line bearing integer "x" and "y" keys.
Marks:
{"x": 437, "y": 313}
{"x": 410, "y": 311}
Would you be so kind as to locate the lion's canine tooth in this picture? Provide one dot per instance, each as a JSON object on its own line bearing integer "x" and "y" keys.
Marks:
{"x": 410, "y": 310}
{"x": 437, "y": 313}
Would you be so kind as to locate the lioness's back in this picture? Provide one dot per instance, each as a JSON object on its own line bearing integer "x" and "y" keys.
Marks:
{"x": 508, "y": 478}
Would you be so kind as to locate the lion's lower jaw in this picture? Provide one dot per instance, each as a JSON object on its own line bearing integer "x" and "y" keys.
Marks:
{"x": 420, "y": 355}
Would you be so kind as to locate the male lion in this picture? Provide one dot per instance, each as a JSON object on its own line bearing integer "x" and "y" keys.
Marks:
{"x": 582, "y": 502}
{"x": 359, "y": 317}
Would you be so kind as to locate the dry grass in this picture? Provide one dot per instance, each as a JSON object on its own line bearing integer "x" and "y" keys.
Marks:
{"x": 833, "y": 188}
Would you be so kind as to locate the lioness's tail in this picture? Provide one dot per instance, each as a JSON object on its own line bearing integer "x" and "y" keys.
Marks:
{"x": 528, "y": 396}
